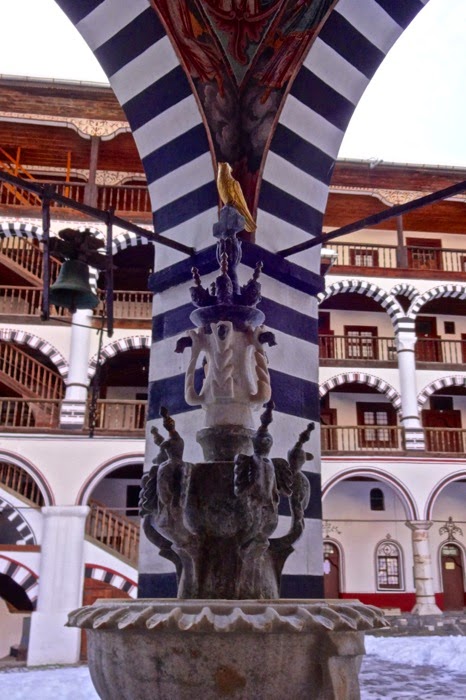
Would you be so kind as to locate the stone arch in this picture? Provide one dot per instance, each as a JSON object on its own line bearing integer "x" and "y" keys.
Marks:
{"x": 29, "y": 468}
{"x": 102, "y": 471}
{"x": 20, "y": 230}
{"x": 133, "y": 342}
{"x": 112, "y": 577}
{"x": 404, "y": 289}
{"x": 455, "y": 291}
{"x": 362, "y": 378}
{"x": 386, "y": 300}
{"x": 438, "y": 488}
{"x": 22, "y": 575}
{"x": 400, "y": 489}
{"x": 18, "y": 522}
{"x": 33, "y": 341}
{"x": 442, "y": 383}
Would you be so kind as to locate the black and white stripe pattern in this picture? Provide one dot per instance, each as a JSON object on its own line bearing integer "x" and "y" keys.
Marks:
{"x": 404, "y": 289}
{"x": 454, "y": 291}
{"x": 23, "y": 576}
{"x": 369, "y": 289}
{"x": 437, "y": 385}
{"x": 33, "y": 341}
{"x": 17, "y": 522}
{"x": 156, "y": 96}
{"x": 133, "y": 342}
{"x": 362, "y": 378}
{"x": 102, "y": 573}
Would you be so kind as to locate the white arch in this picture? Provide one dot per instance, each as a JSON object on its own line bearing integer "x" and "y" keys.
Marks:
{"x": 132, "y": 342}
{"x": 442, "y": 383}
{"x": 101, "y": 472}
{"x": 398, "y": 486}
{"x": 33, "y": 341}
{"x": 354, "y": 286}
{"x": 455, "y": 291}
{"x": 362, "y": 378}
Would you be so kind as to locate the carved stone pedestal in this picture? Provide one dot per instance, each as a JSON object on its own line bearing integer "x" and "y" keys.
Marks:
{"x": 209, "y": 649}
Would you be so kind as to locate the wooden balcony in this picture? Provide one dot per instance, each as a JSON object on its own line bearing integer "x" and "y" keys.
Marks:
{"x": 438, "y": 351}
{"x": 115, "y": 416}
{"x": 415, "y": 261}
{"x": 445, "y": 440}
{"x": 124, "y": 199}
{"x": 132, "y": 309}
{"x": 358, "y": 438}
{"x": 348, "y": 350}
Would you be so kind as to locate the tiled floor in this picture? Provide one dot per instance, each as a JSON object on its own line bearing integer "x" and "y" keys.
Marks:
{"x": 388, "y": 681}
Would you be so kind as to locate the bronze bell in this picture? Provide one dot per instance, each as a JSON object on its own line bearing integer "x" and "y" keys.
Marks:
{"x": 72, "y": 289}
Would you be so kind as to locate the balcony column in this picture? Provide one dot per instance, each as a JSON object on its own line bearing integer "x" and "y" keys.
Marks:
{"x": 61, "y": 579}
{"x": 423, "y": 577}
{"x": 405, "y": 345}
{"x": 73, "y": 408}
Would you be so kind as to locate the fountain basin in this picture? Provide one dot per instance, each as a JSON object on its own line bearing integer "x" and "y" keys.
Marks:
{"x": 243, "y": 650}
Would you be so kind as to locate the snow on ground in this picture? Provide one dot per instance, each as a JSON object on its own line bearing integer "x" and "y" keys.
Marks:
{"x": 444, "y": 655}
{"x": 448, "y": 653}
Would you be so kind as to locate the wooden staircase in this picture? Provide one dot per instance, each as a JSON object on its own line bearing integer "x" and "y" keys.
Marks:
{"x": 26, "y": 259}
{"x": 113, "y": 531}
{"x": 16, "y": 479}
{"x": 31, "y": 379}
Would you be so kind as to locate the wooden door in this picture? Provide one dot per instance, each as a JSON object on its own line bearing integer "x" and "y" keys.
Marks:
{"x": 329, "y": 438}
{"x": 443, "y": 440}
{"x": 331, "y": 571}
{"x": 326, "y": 339}
{"x": 424, "y": 253}
{"x": 93, "y": 590}
{"x": 428, "y": 346}
{"x": 452, "y": 577}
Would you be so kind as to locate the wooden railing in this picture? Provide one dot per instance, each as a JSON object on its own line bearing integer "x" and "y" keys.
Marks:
{"x": 133, "y": 198}
{"x": 18, "y": 480}
{"x": 445, "y": 440}
{"x": 357, "y": 348}
{"x": 391, "y": 257}
{"x": 448, "y": 352}
{"x": 117, "y": 415}
{"x": 27, "y": 256}
{"x": 122, "y": 198}
{"x": 114, "y": 531}
{"x": 24, "y": 301}
{"x": 27, "y": 374}
{"x": 357, "y": 438}
{"x": 29, "y": 414}
{"x": 128, "y": 305}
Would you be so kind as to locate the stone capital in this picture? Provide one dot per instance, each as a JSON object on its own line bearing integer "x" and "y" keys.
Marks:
{"x": 415, "y": 525}
{"x": 405, "y": 341}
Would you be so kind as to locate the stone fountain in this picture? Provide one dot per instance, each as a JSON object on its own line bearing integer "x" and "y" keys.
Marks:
{"x": 227, "y": 635}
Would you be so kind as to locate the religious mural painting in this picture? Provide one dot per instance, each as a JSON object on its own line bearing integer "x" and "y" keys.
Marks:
{"x": 241, "y": 57}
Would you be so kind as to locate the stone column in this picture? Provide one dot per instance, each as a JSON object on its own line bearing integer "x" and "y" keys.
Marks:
{"x": 61, "y": 579}
{"x": 73, "y": 407}
{"x": 423, "y": 579}
{"x": 413, "y": 431}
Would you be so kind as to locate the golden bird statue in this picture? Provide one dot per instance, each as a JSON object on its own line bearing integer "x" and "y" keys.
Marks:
{"x": 231, "y": 194}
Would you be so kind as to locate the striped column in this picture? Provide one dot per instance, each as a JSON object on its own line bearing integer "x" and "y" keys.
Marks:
{"x": 131, "y": 44}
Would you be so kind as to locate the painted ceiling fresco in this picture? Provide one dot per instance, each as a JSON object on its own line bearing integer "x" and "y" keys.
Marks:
{"x": 241, "y": 56}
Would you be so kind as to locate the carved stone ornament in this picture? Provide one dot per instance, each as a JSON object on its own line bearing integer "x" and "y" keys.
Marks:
{"x": 450, "y": 529}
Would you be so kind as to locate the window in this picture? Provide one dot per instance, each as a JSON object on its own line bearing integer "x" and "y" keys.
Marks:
{"x": 383, "y": 419}
{"x": 388, "y": 567}
{"x": 377, "y": 499}
{"x": 361, "y": 342}
{"x": 449, "y": 327}
{"x": 364, "y": 257}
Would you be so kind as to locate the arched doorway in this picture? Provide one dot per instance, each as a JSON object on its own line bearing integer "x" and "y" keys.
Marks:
{"x": 452, "y": 563}
{"x": 331, "y": 570}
